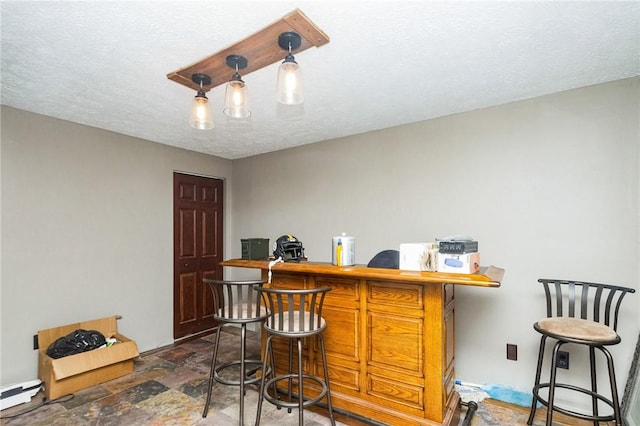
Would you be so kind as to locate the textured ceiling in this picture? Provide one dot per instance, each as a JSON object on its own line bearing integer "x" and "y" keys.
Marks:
{"x": 105, "y": 63}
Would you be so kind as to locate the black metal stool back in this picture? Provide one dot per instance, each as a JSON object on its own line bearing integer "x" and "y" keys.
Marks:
{"x": 295, "y": 314}
{"x": 580, "y": 313}
{"x": 235, "y": 302}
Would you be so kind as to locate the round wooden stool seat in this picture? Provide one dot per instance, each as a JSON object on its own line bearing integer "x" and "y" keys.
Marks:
{"x": 577, "y": 329}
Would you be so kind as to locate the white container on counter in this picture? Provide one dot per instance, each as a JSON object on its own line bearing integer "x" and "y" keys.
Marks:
{"x": 343, "y": 250}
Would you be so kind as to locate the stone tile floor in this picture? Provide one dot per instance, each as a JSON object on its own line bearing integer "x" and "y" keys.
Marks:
{"x": 168, "y": 387}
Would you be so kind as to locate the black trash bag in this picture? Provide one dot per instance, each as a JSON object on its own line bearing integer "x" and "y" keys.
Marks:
{"x": 75, "y": 343}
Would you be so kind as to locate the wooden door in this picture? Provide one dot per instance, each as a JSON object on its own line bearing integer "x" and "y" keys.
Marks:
{"x": 197, "y": 236}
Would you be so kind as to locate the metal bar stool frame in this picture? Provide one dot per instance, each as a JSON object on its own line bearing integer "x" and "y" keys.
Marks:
{"x": 235, "y": 303}
{"x": 572, "y": 305}
{"x": 295, "y": 314}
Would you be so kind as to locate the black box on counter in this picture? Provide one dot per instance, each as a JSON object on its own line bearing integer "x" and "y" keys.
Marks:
{"x": 457, "y": 247}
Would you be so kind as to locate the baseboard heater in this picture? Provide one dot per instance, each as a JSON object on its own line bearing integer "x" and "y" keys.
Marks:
{"x": 19, "y": 393}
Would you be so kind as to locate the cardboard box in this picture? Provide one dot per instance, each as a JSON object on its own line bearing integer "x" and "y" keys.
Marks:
{"x": 418, "y": 256}
{"x": 72, "y": 373}
{"x": 468, "y": 263}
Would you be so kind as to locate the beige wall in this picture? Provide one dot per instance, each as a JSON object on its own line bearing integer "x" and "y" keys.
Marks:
{"x": 548, "y": 186}
{"x": 87, "y": 232}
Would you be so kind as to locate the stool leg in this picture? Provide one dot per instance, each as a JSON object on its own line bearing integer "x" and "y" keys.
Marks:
{"x": 213, "y": 371}
{"x": 536, "y": 383}
{"x": 552, "y": 383}
{"x": 326, "y": 378}
{"x": 267, "y": 353}
{"x": 594, "y": 384}
{"x": 614, "y": 388}
{"x": 243, "y": 369}
{"x": 272, "y": 362}
{"x": 300, "y": 385}
{"x": 289, "y": 383}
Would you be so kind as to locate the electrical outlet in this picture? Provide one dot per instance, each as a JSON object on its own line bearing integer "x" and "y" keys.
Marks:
{"x": 562, "y": 360}
{"x": 512, "y": 352}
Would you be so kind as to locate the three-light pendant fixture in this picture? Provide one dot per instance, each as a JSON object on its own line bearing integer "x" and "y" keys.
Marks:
{"x": 288, "y": 87}
{"x": 248, "y": 55}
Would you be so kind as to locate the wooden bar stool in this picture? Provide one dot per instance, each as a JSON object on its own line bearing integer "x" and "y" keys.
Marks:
{"x": 235, "y": 302}
{"x": 295, "y": 314}
{"x": 579, "y": 313}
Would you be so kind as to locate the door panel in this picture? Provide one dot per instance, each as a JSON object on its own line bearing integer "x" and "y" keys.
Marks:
{"x": 187, "y": 232}
{"x": 188, "y": 297}
{"x": 197, "y": 250}
{"x": 209, "y": 223}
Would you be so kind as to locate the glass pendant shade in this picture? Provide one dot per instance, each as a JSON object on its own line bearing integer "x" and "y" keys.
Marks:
{"x": 289, "y": 86}
{"x": 201, "y": 116}
{"x": 235, "y": 99}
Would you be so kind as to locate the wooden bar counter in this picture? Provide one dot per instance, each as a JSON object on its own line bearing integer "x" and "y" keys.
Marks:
{"x": 390, "y": 337}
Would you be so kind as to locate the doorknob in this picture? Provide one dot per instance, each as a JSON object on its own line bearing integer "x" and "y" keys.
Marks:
{"x": 186, "y": 265}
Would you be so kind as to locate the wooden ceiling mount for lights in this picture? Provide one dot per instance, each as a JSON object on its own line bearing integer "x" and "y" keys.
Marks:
{"x": 260, "y": 49}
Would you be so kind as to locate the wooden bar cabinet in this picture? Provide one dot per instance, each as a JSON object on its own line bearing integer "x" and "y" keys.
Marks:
{"x": 390, "y": 338}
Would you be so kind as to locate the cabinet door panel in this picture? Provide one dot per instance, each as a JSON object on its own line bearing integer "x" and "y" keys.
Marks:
{"x": 392, "y": 390}
{"x": 343, "y": 292}
{"x": 342, "y": 377}
{"x": 396, "y": 296}
{"x": 341, "y": 336}
{"x": 395, "y": 342}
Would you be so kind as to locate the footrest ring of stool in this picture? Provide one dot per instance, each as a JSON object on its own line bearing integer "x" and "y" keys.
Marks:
{"x": 606, "y": 418}
{"x": 247, "y": 363}
{"x": 306, "y": 402}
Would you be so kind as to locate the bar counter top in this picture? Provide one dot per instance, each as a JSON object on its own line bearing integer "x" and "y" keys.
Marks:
{"x": 489, "y": 276}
